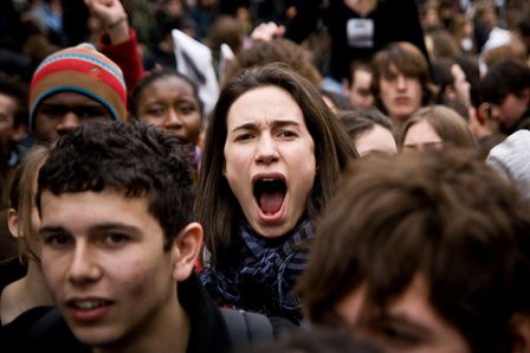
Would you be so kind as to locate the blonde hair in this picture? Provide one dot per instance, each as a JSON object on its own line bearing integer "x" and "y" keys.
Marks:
{"x": 24, "y": 181}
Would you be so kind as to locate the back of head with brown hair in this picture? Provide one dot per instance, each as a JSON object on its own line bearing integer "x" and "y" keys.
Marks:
{"x": 442, "y": 214}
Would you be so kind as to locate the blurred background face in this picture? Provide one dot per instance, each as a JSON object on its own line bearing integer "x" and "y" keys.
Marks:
{"x": 375, "y": 140}
{"x": 401, "y": 95}
{"x": 173, "y": 7}
{"x": 510, "y": 111}
{"x": 420, "y": 136}
{"x": 170, "y": 103}
{"x": 462, "y": 86}
{"x": 359, "y": 94}
{"x": 8, "y": 109}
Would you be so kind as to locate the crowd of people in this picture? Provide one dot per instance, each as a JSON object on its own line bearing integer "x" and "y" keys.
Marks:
{"x": 257, "y": 176}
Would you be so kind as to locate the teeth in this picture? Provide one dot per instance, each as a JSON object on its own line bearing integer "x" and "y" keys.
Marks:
{"x": 88, "y": 305}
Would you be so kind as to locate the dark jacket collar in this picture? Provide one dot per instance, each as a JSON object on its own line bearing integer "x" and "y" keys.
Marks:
{"x": 208, "y": 330}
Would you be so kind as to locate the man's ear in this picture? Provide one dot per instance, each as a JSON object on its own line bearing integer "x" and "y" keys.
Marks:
{"x": 521, "y": 327}
{"x": 186, "y": 248}
{"x": 12, "y": 222}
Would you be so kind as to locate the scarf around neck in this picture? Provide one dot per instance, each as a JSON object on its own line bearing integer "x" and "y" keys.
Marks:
{"x": 263, "y": 280}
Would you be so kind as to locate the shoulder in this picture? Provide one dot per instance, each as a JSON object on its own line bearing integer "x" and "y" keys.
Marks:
{"x": 281, "y": 326}
{"x": 255, "y": 326}
{"x": 18, "y": 328}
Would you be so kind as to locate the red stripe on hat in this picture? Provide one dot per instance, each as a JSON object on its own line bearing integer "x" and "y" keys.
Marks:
{"x": 88, "y": 68}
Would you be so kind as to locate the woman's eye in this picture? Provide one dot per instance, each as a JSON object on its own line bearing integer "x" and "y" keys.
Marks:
{"x": 243, "y": 137}
{"x": 288, "y": 134}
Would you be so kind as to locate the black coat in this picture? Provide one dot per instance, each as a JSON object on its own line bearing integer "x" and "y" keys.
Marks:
{"x": 393, "y": 20}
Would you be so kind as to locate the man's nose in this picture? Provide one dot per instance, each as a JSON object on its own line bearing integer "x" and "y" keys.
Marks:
{"x": 68, "y": 122}
{"x": 83, "y": 268}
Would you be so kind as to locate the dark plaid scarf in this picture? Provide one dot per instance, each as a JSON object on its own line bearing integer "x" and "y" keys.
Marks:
{"x": 268, "y": 269}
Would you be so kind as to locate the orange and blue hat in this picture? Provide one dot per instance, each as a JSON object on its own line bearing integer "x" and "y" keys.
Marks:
{"x": 84, "y": 70}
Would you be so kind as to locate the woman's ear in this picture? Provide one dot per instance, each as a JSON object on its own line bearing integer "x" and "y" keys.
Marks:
{"x": 12, "y": 222}
{"x": 186, "y": 250}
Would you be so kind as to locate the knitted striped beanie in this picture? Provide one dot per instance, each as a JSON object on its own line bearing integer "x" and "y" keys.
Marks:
{"x": 84, "y": 70}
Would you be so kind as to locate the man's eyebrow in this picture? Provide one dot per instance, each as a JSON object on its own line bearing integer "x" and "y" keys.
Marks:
{"x": 114, "y": 226}
{"x": 51, "y": 230}
{"x": 93, "y": 229}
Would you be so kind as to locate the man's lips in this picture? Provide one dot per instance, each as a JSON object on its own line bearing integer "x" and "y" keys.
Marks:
{"x": 402, "y": 100}
{"x": 88, "y": 309}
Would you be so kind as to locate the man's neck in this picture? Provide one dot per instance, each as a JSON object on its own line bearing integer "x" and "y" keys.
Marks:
{"x": 170, "y": 334}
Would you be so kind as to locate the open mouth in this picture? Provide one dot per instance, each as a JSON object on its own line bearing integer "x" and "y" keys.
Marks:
{"x": 270, "y": 194}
